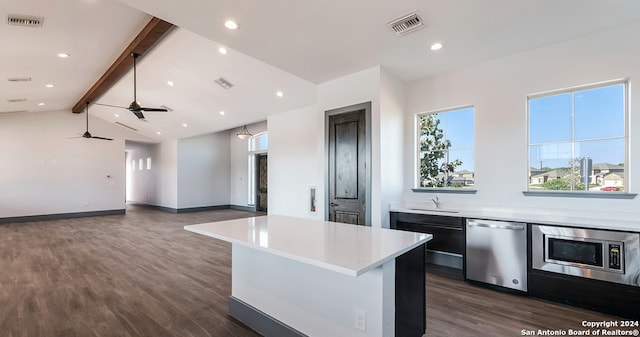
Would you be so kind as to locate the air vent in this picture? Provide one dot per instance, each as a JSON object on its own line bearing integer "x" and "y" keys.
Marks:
{"x": 12, "y": 112}
{"x": 16, "y": 100}
{"x": 406, "y": 24}
{"x": 127, "y": 126}
{"x": 25, "y": 20}
{"x": 224, "y": 83}
{"x": 19, "y": 79}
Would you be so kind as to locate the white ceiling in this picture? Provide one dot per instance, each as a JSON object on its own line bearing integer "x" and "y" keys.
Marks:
{"x": 94, "y": 32}
{"x": 287, "y": 45}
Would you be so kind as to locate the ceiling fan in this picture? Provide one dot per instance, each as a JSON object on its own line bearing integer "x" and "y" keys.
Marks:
{"x": 87, "y": 134}
{"x": 135, "y": 106}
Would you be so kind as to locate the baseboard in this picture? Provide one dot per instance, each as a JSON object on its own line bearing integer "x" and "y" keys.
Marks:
{"x": 58, "y": 216}
{"x": 260, "y": 321}
{"x": 243, "y": 208}
{"x": 200, "y": 209}
{"x": 205, "y": 208}
{"x": 164, "y": 209}
{"x": 446, "y": 259}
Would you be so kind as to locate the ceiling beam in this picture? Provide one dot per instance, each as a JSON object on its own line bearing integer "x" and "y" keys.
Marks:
{"x": 150, "y": 34}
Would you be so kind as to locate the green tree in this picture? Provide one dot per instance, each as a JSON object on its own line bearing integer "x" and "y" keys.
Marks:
{"x": 563, "y": 184}
{"x": 435, "y": 166}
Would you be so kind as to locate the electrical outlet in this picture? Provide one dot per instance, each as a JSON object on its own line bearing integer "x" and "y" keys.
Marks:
{"x": 361, "y": 320}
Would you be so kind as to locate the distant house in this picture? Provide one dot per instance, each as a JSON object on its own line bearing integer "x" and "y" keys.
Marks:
{"x": 600, "y": 170}
{"x": 613, "y": 179}
{"x": 546, "y": 176}
{"x": 464, "y": 178}
{"x": 535, "y": 171}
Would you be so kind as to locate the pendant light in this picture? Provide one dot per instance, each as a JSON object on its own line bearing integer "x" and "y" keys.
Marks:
{"x": 244, "y": 133}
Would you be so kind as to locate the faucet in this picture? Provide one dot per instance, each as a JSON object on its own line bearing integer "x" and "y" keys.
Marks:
{"x": 436, "y": 201}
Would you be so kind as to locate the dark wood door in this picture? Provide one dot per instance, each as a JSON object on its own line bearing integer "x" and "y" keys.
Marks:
{"x": 347, "y": 170}
{"x": 261, "y": 182}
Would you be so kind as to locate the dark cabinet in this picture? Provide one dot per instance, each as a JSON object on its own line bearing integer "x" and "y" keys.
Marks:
{"x": 447, "y": 247}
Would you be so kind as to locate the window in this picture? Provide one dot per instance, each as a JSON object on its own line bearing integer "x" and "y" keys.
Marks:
{"x": 577, "y": 139}
{"x": 148, "y": 163}
{"x": 445, "y": 149}
{"x": 259, "y": 142}
{"x": 140, "y": 164}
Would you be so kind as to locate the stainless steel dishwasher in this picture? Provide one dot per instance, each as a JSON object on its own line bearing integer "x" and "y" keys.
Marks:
{"x": 496, "y": 253}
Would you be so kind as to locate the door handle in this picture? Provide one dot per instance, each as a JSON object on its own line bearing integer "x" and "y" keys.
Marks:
{"x": 333, "y": 204}
{"x": 496, "y": 225}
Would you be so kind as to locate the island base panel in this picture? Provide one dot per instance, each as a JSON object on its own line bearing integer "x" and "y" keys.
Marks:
{"x": 260, "y": 321}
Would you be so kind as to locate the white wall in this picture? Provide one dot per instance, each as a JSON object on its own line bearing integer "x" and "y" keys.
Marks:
{"x": 43, "y": 172}
{"x": 498, "y": 90}
{"x": 239, "y": 163}
{"x": 166, "y": 177}
{"x": 295, "y": 162}
{"x": 392, "y": 161}
{"x": 204, "y": 170}
{"x": 360, "y": 87}
{"x": 297, "y": 153}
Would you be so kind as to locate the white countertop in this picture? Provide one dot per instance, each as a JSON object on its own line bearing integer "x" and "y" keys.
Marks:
{"x": 530, "y": 216}
{"x": 347, "y": 249}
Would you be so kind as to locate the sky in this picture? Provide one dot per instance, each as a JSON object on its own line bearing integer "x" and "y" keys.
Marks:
{"x": 585, "y": 123}
{"x": 596, "y": 127}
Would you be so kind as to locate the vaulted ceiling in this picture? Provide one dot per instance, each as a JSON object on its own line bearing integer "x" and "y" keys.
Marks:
{"x": 282, "y": 45}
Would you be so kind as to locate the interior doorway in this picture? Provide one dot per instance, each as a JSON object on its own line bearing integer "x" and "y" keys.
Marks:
{"x": 261, "y": 175}
{"x": 348, "y": 146}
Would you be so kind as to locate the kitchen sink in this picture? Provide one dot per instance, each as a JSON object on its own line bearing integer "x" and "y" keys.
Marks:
{"x": 437, "y": 210}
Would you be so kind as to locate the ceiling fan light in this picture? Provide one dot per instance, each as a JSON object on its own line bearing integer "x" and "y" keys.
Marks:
{"x": 244, "y": 134}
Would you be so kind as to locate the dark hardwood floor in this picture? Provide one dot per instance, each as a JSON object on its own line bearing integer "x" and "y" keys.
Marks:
{"x": 141, "y": 274}
{"x": 459, "y": 309}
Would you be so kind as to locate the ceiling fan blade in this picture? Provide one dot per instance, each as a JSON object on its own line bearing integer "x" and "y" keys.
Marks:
{"x": 103, "y": 138}
{"x": 138, "y": 114}
{"x": 109, "y": 105}
{"x": 153, "y": 109}
{"x": 87, "y": 134}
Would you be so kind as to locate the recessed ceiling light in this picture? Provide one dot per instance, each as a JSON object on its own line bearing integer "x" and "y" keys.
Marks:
{"x": 279, "y": 94}
{"x": 41, "y": 104}
{"x": 170, "y": 83}
{"x": 117, "y": 116}
{"x": 63, "y": 55}
{"x": 49, "y": 85}
{"x": 230, "y": 24}
{"x": 436, "y": 46}
{"x": 222, "y": 50}
{"x": 158, "y": 132}
{"x": 184, "y": 125}
{"x": 221, "y": 113}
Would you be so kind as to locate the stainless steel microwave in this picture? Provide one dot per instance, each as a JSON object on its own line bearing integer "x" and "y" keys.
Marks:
{"x": 612, "y": 256}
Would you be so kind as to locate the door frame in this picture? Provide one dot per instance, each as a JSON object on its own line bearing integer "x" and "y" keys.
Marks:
{"x": 367, "y": 117}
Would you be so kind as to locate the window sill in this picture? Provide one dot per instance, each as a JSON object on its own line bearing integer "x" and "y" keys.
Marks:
{"x": 444, "y": 190}
{"x": 601, "y": 195}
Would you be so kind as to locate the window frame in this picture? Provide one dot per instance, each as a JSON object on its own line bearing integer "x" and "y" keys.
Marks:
{"x": 626, "y": 194}
{"x": 416, "y": 150}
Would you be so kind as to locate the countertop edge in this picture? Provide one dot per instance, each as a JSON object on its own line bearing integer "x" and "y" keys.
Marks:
{"x": 544, "y": 219}
{"x": 312, "y": 262}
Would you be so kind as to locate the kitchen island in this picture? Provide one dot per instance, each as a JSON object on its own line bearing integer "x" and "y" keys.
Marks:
{"x": 303, "y": 277}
